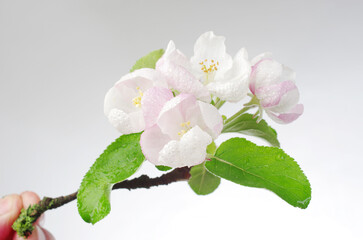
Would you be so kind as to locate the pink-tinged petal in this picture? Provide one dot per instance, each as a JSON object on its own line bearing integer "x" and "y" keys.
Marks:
{"x": 144, "y": 79}
{"x": 253, "y": 79}
{"x": 254, "y": 64}
{"x": 182, "y": 80}
{"x": 258, "y": 58}
{"x": 119, "y": 98}
{"x": 137, "y": 121}
{"x": 152, "y": 102}
{"x": 287, "y": 117}
{"x": 272, "y": 95}
{"x": 175, "y": 56}
{"x": 122, "y": 102}
{"x": 126, "y": 89}
{"x": 287, "y": 101}
{"x": 175, "y": 112}
{"x": 212, "y": 119}
{"x": 118, "y": 107}
{"x": 234, "y": 85}
{"x": 190, "y": 150}
{"x": 265, "y": 72}
{"x": 152, "y": 141}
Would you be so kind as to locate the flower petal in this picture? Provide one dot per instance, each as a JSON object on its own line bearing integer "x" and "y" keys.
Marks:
{"x": 212, "y": 119}
{"x": 182, "y": 80}
{"x": 265, "y": 55}
{"x": 287, "y": 101}
{"x": 119, "y": 98}
{"x": 126, "y": 123}
{"x": 210, "y": 47}
{"x": 121, "y": 95}
{"x": 152, "y": 102}
{"x": 190, "y": 150}
{"x": 175, "y": 56}
{"x": 175, "y": 112}
{"x": 287, "y": 117}
{"x": 143, "y": 78}
{"x": 287, "y": 74}
{"x": 137, "y": 122}
{"x": 278, "y": 97}
{"x": 152, "y": 141}
{"x": 119, "y": 102}
{"x": 265, "y": 72}
{"x": 234, "y": 86}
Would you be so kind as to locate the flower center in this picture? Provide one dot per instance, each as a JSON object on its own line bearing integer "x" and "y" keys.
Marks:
{"x": 185, "y": 128}
{"x": 137, "y": 100}
{"x": 209, "y": 67}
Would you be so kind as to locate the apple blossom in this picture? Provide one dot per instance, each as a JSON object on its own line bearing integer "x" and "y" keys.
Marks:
{"x": 180, "y": 129}
{"x": 224, "y": 77}
{"x": 273, "y": 85}
{"x": 210, "y": 71}
{"x": 122, "y": 104}
{"x": 177, "y": 69}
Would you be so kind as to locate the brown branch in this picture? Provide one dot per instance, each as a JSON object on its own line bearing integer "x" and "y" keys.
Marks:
{"x": 24, "y": 224}
{"x": 144, "y": 181}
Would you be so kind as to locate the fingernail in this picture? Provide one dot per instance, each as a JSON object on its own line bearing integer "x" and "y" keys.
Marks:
{"x": 5, "y": 205}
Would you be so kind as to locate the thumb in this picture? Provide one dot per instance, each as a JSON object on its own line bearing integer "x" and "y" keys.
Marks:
{"x": 10, "y": 207}
{"x": 39, "y": 233}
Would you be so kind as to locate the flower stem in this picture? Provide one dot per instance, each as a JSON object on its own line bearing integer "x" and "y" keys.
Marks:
{"x": 219, "y": 104}
{"x": 239, "y": 113}
{"x": 23, "y": 225}
{"x": 251, "y": 104}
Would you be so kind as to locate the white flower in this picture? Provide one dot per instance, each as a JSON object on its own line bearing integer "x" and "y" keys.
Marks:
{"x": 224, "y": 77}
{"x": 122, "y": 104}
{"x": 177, "y": 69}
{"x": 210, "y": 71}
{"x": 181, "y": 128}
{"x": 273, "y": 85}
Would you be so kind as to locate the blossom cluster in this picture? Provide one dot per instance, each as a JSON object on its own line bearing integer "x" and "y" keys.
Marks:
{"x": 175, "y": 104}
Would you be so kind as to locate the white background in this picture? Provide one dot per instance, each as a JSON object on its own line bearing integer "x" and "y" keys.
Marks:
{"x": 58, "y": 59}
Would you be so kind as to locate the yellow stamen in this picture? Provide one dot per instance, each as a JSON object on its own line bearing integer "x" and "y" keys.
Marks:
{"x": 185, "y": 128}
{"x": 137, "y": 100}
{"x": 209, "y": 68}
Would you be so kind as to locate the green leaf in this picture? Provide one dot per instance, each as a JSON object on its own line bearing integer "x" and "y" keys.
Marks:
{"x": 248, "y": 125}
{"x": 163, "y": 168}
{"x": 201, "y": 181}
{"x": 119, "y": 161}
{"x": 148, "y": 61}
{"x": 245, "y": 163}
